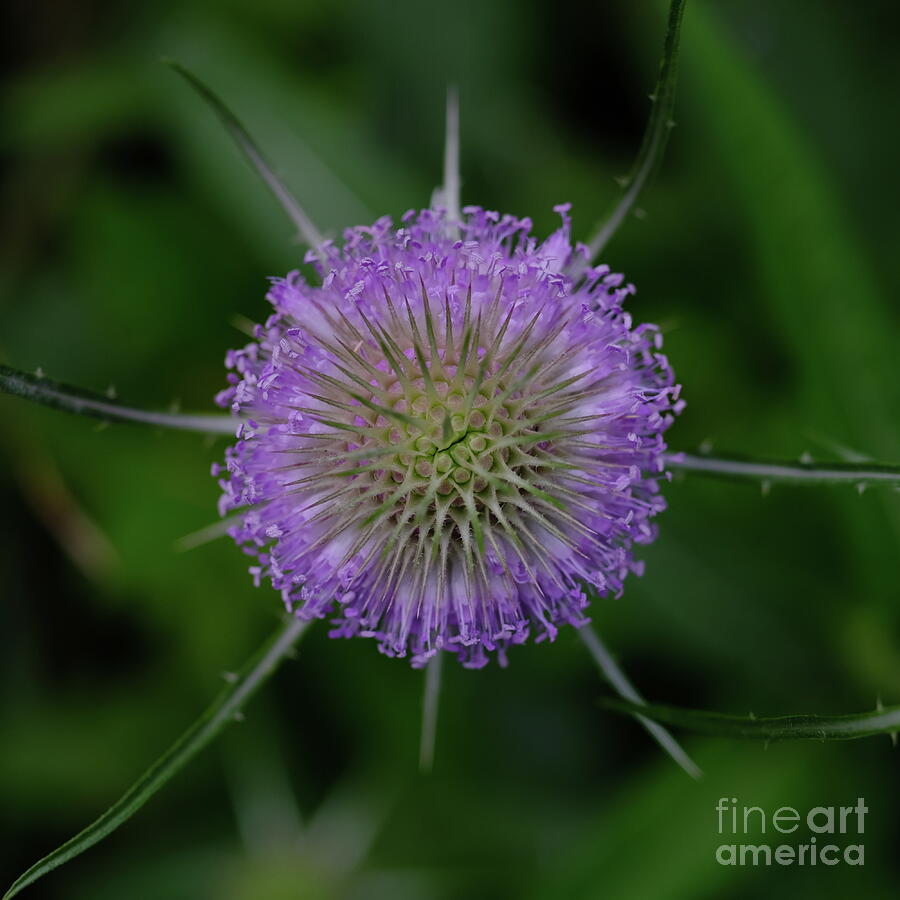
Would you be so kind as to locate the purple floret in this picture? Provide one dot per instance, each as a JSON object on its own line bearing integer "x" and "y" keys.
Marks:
{"x": 450, "y": 437}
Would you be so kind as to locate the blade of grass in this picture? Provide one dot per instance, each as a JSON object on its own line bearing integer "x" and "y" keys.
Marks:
{"x": 43, "y": 390}
{"x": 883, "y": 720}
{"x": 656, "y": 134}
{"x": 223, "y": 711}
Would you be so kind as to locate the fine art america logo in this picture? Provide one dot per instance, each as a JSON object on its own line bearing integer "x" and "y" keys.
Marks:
{"x": 821, "y": 835}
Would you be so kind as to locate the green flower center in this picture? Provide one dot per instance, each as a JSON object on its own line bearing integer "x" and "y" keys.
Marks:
{"x": 441, "y": 443}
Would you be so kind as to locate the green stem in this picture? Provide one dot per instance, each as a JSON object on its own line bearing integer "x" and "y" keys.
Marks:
{"x": 42, "y": 390}
{"x": 655, "y": 136}
{"x": 884, "y": 720}
{"x": 743, "y": 469}
{"x": 224, "y": 710}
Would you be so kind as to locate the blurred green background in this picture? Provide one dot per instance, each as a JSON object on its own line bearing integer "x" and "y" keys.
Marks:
{"x": 134, "y": 239}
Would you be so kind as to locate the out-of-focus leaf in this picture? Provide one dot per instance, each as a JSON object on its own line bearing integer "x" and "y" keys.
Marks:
{"x": 656, "y": 835}
{"x": 68, "y": 104}
{"x": 815, "y": 283}
{"x": 226, "y": 708}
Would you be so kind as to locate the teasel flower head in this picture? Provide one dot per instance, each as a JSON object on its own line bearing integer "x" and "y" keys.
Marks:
{"x": 451, "y": 438}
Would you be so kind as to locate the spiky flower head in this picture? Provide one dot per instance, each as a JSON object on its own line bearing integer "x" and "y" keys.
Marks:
{"x": 451, "y": 438}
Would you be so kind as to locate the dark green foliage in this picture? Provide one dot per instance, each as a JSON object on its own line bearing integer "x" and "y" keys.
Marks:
{"x": 135, "y": 237}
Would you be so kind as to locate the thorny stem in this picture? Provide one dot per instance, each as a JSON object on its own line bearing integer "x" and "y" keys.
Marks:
{"x": 881, "y": 720}
{"x": 654, "y": 141}
{"x": 39, "y": 389}
{"x": 860, "y": 474}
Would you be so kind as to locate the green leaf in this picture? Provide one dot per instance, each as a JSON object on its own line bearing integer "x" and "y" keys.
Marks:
{"x": 814, "y": 280}
{"x": 657, "y": 133}
{"x": 883, "y": 720}
{"x": 222, "y": 712}
{"x": 813, "y": 276}
{"x": 746, "y": 469}
{"x": 42, "y": 390}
